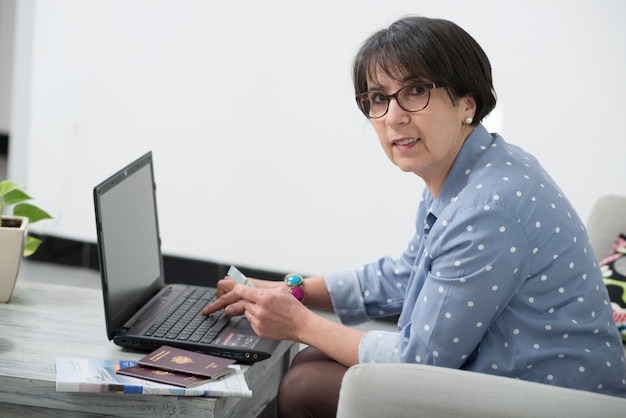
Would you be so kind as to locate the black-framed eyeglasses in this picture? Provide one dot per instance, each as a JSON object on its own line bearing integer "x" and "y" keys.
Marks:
{"x": 412, "y": 98}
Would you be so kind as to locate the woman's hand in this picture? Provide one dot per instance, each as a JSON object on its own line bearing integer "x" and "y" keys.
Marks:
{"x": 231, "y": 302}
{"x": 273, "y": 312}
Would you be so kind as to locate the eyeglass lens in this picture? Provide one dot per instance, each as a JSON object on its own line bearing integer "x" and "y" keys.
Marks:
{"x": 411, "y": 98}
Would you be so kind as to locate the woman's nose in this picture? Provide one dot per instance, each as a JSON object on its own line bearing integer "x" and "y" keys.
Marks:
{"x": 395, "y": 113}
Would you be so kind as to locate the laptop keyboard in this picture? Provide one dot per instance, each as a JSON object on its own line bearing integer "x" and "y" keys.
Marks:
{"x": 183, "y": 321}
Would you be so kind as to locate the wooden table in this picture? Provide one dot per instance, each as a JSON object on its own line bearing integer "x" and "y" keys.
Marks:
{"x": 44, "y": 321}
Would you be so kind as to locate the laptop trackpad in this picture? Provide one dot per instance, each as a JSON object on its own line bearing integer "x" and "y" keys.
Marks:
{"x": 239, "y": 334}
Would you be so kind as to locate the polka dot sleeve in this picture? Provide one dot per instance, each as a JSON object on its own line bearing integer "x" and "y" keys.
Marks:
{"x": 471, "y": 271}
{"x": 469, "y": 278}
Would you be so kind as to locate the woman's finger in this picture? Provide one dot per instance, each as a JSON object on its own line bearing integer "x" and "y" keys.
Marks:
{"x": 221, "y": 302}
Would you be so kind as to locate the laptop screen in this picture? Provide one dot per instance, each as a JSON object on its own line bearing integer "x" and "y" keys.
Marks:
{"x": 128, "y": 239}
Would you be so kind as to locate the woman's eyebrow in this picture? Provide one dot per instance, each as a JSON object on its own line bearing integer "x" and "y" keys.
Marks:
{"x": 375, "y": 86}
{"x": 413, "y": 79}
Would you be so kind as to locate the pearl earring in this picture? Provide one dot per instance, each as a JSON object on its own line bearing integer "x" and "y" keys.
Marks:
{"x": 468, "y": 120}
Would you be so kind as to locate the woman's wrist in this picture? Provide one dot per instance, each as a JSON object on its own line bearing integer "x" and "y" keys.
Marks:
{"x": 295, "y": 283}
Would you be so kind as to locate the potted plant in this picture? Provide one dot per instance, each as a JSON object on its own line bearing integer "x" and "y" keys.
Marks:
{"x": 15, "y": 242}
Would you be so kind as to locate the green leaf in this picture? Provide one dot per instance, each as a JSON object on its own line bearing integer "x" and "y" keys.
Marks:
{"x": 31, "y": 245}
{"x": 11, "y": 194}
{"x": 15, "y": 196}
{"x": 6, "y": 186}
{"x": 33, "y": 213}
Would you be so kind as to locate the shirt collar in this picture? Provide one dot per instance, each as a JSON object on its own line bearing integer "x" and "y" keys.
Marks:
{"x": 476, "y": 144}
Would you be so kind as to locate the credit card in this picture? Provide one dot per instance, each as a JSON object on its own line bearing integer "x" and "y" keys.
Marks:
{"x": 239, "y": 276}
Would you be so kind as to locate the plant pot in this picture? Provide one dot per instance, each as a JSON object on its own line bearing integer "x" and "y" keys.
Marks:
{"x": 12, "y": 236}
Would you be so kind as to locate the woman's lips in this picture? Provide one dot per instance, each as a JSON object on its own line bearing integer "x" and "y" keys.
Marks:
{"x": 404, "y": 143}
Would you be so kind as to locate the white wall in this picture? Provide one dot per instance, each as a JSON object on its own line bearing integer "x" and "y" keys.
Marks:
{"x": 262, "y": 158}
{"x": 7, "y": 28}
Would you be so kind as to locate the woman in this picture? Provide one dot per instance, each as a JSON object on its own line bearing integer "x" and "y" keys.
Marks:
{"x": 499, "y": 277}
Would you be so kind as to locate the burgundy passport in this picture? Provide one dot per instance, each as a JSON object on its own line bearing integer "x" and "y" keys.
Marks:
{"x": 185, "y": 361}
{"x": 185, "y": 380}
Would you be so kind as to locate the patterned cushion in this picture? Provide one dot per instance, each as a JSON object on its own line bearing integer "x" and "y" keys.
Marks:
{"x": 614, "y": 273}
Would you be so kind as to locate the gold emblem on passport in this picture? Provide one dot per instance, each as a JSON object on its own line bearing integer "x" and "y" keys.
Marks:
{"x": 181, "y": 360}
{"x": 162, "y": 372}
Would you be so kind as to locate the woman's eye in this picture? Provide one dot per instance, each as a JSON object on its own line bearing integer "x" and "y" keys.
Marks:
{"x": 417, "y": 90}
{"x": 378, "y": 98}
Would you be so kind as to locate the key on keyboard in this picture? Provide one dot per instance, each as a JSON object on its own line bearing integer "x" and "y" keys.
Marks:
{"x": 183, "y": 321}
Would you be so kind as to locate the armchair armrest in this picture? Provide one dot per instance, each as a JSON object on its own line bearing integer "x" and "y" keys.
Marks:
{"x": 412, "y": 390}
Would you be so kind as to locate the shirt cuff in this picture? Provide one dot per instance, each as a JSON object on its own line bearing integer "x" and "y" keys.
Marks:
{"x": 347, "y": 297}
{"x": 380, "y": 347}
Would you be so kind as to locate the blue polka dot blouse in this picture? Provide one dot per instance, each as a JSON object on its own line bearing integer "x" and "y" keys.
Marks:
{"x": 499, "y": 278}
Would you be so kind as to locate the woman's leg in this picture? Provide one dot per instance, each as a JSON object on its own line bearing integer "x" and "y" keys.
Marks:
{"x": 311, "y": 386}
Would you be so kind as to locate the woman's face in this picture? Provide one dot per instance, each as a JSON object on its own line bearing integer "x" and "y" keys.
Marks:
{"x": 426, "y": 142}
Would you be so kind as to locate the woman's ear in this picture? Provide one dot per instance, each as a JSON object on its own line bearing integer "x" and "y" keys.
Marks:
{"x": 469, "y": 104}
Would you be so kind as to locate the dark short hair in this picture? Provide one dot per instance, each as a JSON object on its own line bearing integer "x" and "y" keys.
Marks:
{"x": 434, "y": 50}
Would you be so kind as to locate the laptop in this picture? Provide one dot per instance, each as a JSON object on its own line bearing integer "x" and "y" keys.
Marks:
{"x": 136, "y": 298}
